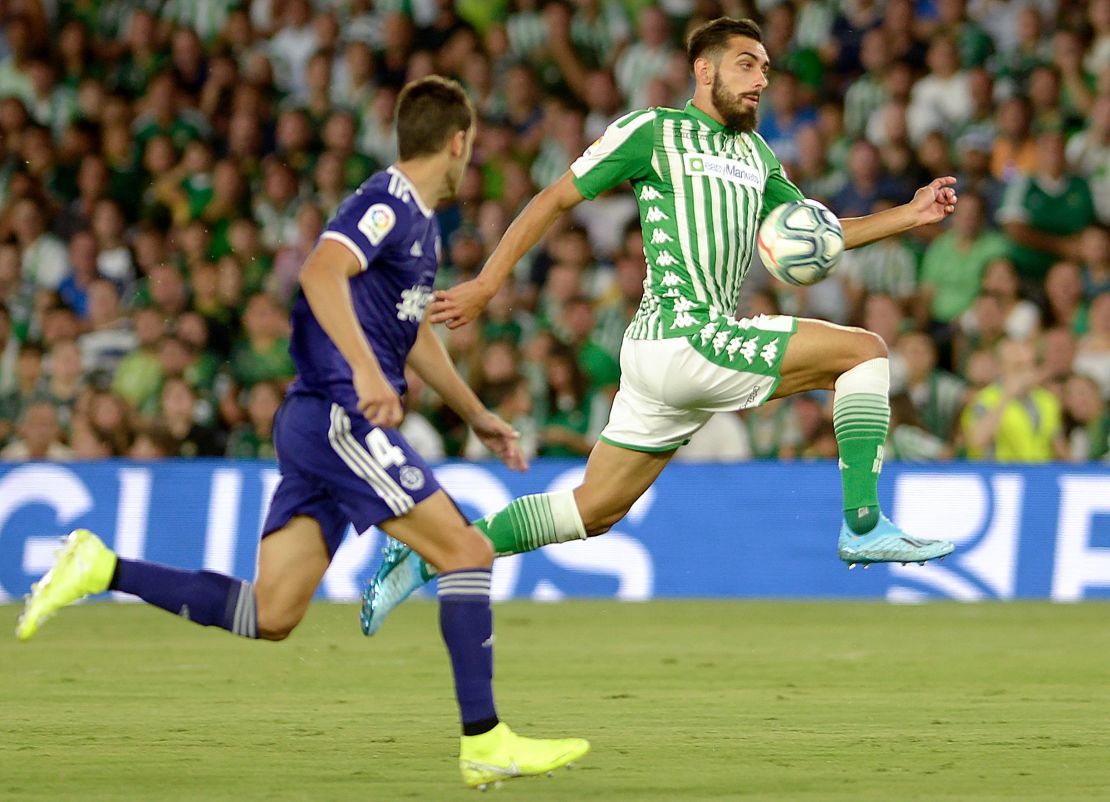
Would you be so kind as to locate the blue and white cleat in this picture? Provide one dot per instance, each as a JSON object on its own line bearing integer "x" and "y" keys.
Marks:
{"x": 886, "y": 543}
{"x": 398, "y": 576}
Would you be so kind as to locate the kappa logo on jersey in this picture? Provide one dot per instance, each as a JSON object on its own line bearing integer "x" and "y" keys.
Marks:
{"x": 413, "y": 301}
{"x": 720, "y": 167}
{"x": 378, "y": 221}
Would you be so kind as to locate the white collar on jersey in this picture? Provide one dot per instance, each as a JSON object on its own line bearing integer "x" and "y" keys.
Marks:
{"x": 392, "y": 170}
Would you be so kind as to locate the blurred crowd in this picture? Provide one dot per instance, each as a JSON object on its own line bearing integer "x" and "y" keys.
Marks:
{"x": 166, "y": 165}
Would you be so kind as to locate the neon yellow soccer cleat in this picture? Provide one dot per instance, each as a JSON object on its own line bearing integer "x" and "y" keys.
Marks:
{"x": 501, "y": 754}
{"x": 84, "y": 566}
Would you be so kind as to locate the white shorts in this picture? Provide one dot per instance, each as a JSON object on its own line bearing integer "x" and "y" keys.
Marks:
{"x": 669, "y": 390}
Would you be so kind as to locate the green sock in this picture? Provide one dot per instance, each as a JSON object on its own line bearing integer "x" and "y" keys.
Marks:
{"x": 528, "y": 523}
{"x": 860, "y": 421}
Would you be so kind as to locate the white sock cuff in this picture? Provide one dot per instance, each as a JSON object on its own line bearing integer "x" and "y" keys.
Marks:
{"x": 872, "y": 377}
{"x": 564, "y": 512}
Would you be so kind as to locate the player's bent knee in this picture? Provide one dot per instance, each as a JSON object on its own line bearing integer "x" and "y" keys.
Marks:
{"x": 467, "y": 548}
{"x": 600, "y": 523}
{"x": 276, "y": 628}
{"x": 277, "y": 622}
{"x": 871, "y": 346}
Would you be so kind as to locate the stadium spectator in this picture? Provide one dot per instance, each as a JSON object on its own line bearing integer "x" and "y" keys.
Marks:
{"x": 74, "y": 289}
{"x": 139, "y": 374}
{"x": 43, "y": 259}
{"x": 909, "y": 440}
{"x": 178, "y": 412}
{"x": 954, "y": 263}
{"x": 941, "y": 100}
{"x": 646, "y": 58}
{"x": 1086, "y": 420}
{"x": 937, "y": 396}
{"x": 1012, "y": 419}
{"x": 887, "y": 267}
{"x": 1093, "y": 354}
{"x": 253, "y": 439}
{"x": 1014, "y": 152}
{"x": 570, "y": 419}
{"x": 1021, "y": 317}
{"x": 39, "y": 435}
{"x": 263, "y": 353}
{"x": 511, "y": 399}
{"x": 1064, "y": 303}
{"x": 1088, "y": 154}
{"x": 867, "y": 93}
{"x": 1056, "y": 350}
{"x": 1041, "y": 213}
{"x": 1094, "y": 248}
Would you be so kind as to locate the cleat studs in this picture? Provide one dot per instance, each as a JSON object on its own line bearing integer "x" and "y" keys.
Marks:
{"x": 866, "y": 566}
{"x": 851, "y": 566}
{"x": 550, "y": 774}
{"x": 921, "y": 563}
{"x": 483, "y": 787}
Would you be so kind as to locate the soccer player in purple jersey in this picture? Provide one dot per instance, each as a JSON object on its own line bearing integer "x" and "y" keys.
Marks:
{"x": 357, "y": 323}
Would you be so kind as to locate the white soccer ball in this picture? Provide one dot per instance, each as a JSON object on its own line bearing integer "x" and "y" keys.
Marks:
{"x": 801, "y": 242}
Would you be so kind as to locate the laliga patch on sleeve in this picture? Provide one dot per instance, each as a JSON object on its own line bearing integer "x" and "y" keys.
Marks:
{"x": 377, "y": 222}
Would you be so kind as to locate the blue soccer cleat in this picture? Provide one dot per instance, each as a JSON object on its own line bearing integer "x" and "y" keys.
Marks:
{"x": 400, "y": 573}
{"x": 886, "y": 543}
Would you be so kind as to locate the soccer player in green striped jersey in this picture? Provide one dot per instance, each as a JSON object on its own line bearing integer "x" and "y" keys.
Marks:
{"x": 703, "y": 180}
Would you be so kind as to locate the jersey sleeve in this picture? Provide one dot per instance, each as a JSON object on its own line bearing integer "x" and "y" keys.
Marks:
{"x": 369, "y": 223}
{"x": 779, "y": 189}
{"x": 622, "y": 153}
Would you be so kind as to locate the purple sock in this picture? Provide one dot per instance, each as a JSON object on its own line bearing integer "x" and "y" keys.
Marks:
{"x": 466, "y": 621}
{"x": 209, "y": 599}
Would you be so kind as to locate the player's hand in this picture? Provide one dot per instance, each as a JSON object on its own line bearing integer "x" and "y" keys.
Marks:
{"x": 460, "y": 304}
{"x": 500, "y": 438}
{"x": 934, "y": 202}
{"x": 377, "y": 399}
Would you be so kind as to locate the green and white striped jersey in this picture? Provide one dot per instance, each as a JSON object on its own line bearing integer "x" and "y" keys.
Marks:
{"x": 703, "y": 190}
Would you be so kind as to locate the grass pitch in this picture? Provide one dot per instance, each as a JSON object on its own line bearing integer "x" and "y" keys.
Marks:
{"x": 682, "y": 701}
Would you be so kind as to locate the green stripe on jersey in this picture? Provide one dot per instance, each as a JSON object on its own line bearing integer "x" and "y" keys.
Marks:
{"x": 702, "y": 190}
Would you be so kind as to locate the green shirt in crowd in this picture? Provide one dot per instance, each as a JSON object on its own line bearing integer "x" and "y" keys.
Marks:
{"x": 1060, "y": 209}
{"x": 954, "y": 270}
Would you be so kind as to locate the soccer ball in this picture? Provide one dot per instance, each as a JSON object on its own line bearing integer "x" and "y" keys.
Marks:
{"x": 801, "y": 242}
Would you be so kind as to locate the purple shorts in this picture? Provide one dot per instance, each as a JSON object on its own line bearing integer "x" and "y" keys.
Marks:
{"x": 338, "y": 469}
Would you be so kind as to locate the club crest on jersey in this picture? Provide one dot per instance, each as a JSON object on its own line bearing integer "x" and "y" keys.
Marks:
{"x": 377, "y": 222}
{"x": 705, "y": 164}
{"x": 412, "y": 478}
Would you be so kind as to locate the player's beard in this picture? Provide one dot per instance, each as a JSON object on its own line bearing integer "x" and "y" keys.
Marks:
{"x": 732, "y": 110}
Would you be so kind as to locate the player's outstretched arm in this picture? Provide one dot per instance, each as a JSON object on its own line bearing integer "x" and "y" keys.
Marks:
{"x": 431, "y": 362}
{"x": 326, "y": 280}
{"x": 931, "y": 204}
{"x": 464, "y": 302}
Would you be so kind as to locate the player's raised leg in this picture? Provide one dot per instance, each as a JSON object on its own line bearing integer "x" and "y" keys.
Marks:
{"x": 853, "y": 363}
{"x": 489, "y": 750}
{"x": 615, "y": 478}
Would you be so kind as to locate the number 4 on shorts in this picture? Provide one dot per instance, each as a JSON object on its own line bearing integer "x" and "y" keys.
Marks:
{"x": 384, "y": 452}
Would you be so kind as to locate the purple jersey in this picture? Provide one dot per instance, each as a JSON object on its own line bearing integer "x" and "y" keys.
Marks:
{"x": 396, "y": 240}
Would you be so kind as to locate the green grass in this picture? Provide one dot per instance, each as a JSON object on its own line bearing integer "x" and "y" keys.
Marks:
{"x": 682, "y": 701}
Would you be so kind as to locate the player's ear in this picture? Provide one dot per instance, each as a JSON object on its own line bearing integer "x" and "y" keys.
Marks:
{"x": 458, "y": 144}
{"x": 703, "y": 71}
